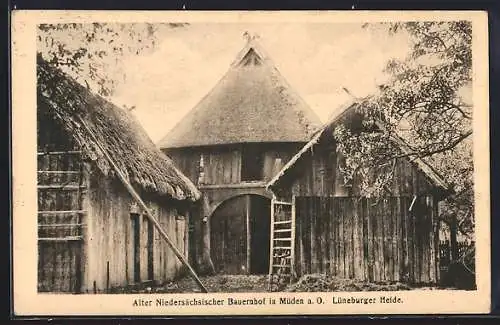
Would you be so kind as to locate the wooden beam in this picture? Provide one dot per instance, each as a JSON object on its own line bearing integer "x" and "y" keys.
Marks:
{"x": 61, "y": 225}
{"x": 56, "y": 212}
{"x": 249, "y": 233}
{"x": 271, "y": 246}
{"x": 143, "y": 205}
{"x": 63, "y": 239}
{"x": 283, "y": 203}
{"x": 234, "y": 185}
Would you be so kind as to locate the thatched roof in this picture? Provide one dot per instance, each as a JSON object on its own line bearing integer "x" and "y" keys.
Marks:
{"x": 115, "y": 129}
{"x": 251, "y": 103}
{"x": 435, "y": 178}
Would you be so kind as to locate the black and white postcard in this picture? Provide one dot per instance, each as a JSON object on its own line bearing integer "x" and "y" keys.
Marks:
{"x": 250, "y": 163}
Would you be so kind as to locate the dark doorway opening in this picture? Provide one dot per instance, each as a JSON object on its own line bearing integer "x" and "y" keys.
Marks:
{"x": 260, "y": 233}
{"x": 136, "y": 242}
{"x": 150, "y": 244}
{"x": 240, "y": 235}
{"x": 252, "y": 163}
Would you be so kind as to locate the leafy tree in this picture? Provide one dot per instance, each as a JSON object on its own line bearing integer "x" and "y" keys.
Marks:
{"x": 92, "y": 53}
{"x": 425, "y": 105}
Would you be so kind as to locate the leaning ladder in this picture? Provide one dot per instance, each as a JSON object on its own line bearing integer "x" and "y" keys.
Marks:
{"x": 282, "y": 248}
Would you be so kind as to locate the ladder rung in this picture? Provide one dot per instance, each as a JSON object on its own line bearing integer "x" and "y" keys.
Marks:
{"x": 283, "y": 239}
{"x": 280, "y": 265}
{"x": 61, "y": 187}
{"x": 282, "y": 222}
{"x": 62, "y": 212}
{"x": 282, "y": 230}
{"x": 48, "y": 225}
{"x": 286, "y": 257}
{"x": 63, "y": 239}
{"x": 281, "y": 247}
{"x": 283, "y": 203}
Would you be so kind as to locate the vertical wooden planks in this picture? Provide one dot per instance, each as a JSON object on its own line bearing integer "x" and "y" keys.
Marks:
{"x": 370, "y": 239}
{"x": 358, "y": 252}
{"x": 235, "y": 166}
{"x": 248, "y": 232}
{"x": 334, "y": 236}
{"x": 348, "y": 236}
{"x": 388, "y": 258}
{"x": 396, "y": 239}
{"x": 227, "y": 167}
{"x": 307, "y": 236}
{"x": 318, "y": 202}
{"x": 302, "y": 220}
{"x": 327, "y": 231}
{"x": 432, "y": 251}
{"x": 405, "y": 242}
{"x": 415, "y": 233}
{"x": 424, "y": 242}
{"x": 341, "y": 211}
{"x": 375, "y": 225}
{"x": 219, "y": 168}
{"x": 313, "y": 238}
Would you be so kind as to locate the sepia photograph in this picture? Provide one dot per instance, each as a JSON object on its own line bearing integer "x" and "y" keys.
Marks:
{"x": 255, "y": 162}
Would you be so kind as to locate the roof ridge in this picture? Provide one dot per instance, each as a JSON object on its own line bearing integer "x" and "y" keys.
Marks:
{"x": 264, "y": 81}
{"x": 252, "y": 43}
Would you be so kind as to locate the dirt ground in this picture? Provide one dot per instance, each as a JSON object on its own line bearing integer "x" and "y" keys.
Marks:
{"x": 259, "y": 283}
{"x": 214, "y": 283}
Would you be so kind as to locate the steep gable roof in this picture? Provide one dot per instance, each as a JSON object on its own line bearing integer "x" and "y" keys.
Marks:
{"x": 251, "y": 103}
{"x": 116, "y": 130}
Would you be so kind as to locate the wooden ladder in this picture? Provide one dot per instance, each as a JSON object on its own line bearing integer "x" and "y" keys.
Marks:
{"x": 282, "y": 248}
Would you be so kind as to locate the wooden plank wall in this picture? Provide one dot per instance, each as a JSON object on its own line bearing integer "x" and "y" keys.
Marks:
{"x": 60, "y": 222}
{"x": 110, "y": 242}
{"x": 222, "y": 167}
{"x": 222, "y": 164}
{"x": 166, "y": 265}
{"x": 367, "y": 239}
{"x": 318, "y": 174}
{"x": 188, "y": 162}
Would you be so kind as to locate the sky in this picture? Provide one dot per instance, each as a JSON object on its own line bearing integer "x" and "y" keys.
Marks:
{"x": 317, "y": 59}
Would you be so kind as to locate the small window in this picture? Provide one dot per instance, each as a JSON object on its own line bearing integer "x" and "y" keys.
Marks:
{"x": 252, "y": 164}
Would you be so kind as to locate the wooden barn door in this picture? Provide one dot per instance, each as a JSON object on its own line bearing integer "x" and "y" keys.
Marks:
{"x": 228, "y": 237}
{"x": 60, "y": 221}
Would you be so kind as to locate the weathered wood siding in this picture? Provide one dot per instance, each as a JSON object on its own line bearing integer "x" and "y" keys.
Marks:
{"x": 61, "y": 218}
{"x": 61, "y": 222}
{"x": 187, "y": 160}
{"x": 222, "y": 164}
{"x": 366, "y": 239}
{"x": 85, "y": 229}
{"x": 110, "y": 241}
{"x": 318, "y": 174}
{"x": 341, "y": 233}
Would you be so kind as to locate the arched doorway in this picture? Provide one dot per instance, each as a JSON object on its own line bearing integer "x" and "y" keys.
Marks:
{"x": 240, "y": 235}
